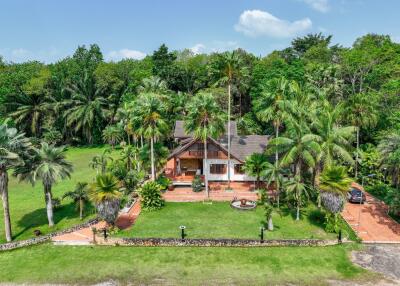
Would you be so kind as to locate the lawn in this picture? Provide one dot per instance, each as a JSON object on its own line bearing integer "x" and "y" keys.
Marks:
{"x": 219, "y": 220}
{"x": 182, "y": 266}
{"x": 27, "y": 204}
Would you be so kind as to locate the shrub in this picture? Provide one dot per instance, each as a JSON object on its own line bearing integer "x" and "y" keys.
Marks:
{"x": 263, "y": 196}
{"x": 380, "y": 190}
{"x": 150, "y": 195}
{"x": 197, "y": 184}
{"x": 52, "y": 136}
{"x": 164, "y": 182}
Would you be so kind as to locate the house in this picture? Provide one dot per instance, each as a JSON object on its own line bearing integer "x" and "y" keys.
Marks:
{"x": 187, "y": 160}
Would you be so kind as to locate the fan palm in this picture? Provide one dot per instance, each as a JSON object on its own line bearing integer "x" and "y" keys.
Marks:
{"x": 79, "y": 196}
{"x": 256, "y": 165}
{"x": 389, "y": 148}
{"x": 148, "y": 117}
{"x": 334, "y": 184}
{"x": 105, "y": 194}
{"x": 298, "y": 192}
{"x": 13, "y": 147}
{"x": 204, "y": 120}
{"x": 48, "y": 165}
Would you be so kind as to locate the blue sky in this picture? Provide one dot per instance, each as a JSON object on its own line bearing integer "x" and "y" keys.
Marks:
{"x": 48, "y": 30}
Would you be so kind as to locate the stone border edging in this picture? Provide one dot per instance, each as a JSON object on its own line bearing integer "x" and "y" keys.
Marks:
{"x": 162, "y": 242}
{"x": 44, "y": 238}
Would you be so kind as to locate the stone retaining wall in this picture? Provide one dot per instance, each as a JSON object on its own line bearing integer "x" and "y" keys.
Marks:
{"x": 44, "y": 238}
{"x": 148, "y": 242}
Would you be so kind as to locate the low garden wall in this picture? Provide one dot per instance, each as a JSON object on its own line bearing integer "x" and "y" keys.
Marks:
{"x": 149, "y": 242}
{"x": 44, "y": 238}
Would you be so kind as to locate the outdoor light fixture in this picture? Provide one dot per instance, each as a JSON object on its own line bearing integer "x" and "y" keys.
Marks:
{"x": 182, "y": 228}
{"x": 262, "y": 229}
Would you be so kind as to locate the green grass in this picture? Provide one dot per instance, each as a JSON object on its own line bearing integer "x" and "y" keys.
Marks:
{"x": 27, "y": 206}
{"x": 219, "y": 220}
{"x": 183, "y": 266}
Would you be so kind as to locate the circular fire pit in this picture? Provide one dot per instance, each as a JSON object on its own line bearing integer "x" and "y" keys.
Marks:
{"x": 243, "y": 204}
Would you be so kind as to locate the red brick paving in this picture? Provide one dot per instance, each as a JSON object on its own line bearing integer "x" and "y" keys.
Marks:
{"x": 375, "y": 224}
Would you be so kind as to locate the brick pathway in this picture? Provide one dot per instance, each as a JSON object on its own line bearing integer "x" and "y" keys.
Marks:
{"x": 85, "y": 235}
{"x": 376, "y": 226}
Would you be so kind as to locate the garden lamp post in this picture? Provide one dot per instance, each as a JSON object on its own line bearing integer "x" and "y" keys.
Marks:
{"x": 262, "y": 229}
{"x": 182, "y": 228}
{"x": 361, "y": 200}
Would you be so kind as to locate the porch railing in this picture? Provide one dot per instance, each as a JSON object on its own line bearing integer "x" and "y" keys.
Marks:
{"x": 197, "y": 153}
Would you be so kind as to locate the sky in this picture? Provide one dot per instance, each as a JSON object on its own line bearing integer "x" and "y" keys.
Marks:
{"x": 49, "y": 30}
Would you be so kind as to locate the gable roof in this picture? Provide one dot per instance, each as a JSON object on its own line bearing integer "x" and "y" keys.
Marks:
{"x": 180, "y": 132}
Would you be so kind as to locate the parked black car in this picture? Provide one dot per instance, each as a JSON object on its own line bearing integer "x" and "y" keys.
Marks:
{"x": 356, "y": 196}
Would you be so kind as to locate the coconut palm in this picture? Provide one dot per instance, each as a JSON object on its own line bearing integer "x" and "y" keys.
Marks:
{"x": 113, "y": 134}
{"x": 334, "y": 184}
{"x": 101, "y": 161}
{"x": 360, "y": 112}
{"x": 298, "y": 192}
{"x": 105, "y": 194}
{"x": 389, "y": 148}
{"x": 13, "y": 147}
{"x": 50, "y": 166}
{"x": 148, "y": 117}
{"x": 204, "y": 120}
{"x": 79, "y": 196}
{"x": 86, "y": 107}
{"x": 256, "y": 165}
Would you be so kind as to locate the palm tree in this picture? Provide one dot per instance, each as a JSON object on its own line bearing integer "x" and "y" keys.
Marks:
{"x": 79, "y": 196}
{"x": 50, "y": 166}
{"x": 335, "y": 139}
{"x": 275, "y": 174}
{"x": 86, "y": 107}
{"x": 334, "y": 184}
{"x": 113, "y": 134}
{"x": 130, "y": 155}
{"x": 360, "y": 112}
{"x": 389, "y": 148}
{"x": 230, "y": 67}
{"x": 204, "y": 120}
{"x": 153, "y": 84}
{"x": 101, "y": 161}
{"x": 148, "y": 117}
{"x": 298, "y": 191}
{"x": 256, "y": 165}
{"x": 105, "y": 194}
{"x": 13, "y": 147}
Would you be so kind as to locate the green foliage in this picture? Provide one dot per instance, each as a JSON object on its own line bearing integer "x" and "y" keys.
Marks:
{"x": 150, "y": 196}
{"x": 197, "y": 184}
{"x": 164, "y": 182}
{"x": 393, "y": 200}
{"x": 255, "y": 166}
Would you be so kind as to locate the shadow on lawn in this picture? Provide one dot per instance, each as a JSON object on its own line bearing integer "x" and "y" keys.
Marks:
{"x": 38, "y": 218}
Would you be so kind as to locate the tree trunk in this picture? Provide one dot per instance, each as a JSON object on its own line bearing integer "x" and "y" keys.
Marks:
{"x": 358, "y": 146}
{"x": 205, "y": 167}
{"x": 229, "y": 136}
{"x": 298, "y": 213}
{"x": 48, "y": 197}
{"x": 278, "y": 190}
{"x": 6, "y": 207}
{"x": 81, "y": 209}
{"x": 153, "y": 172}
{"x": 270, "y": 224}
{"x": 276, "y": 163}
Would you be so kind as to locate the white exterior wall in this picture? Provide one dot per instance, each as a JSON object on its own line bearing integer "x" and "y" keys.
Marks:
{"x": 224, "y": 177}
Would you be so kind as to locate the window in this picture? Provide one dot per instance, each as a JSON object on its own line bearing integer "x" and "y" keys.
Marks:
{"x": 218, "y": 169}
{"x": 239, "y": 169}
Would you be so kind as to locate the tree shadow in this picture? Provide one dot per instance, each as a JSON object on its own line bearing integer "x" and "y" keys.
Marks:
{"x": 317, "y": 218}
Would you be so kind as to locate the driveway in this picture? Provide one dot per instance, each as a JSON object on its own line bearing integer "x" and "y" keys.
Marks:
{"x": 376, "y": 226}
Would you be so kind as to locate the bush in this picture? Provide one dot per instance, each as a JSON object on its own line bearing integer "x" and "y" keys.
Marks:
{"x": 150, "y": 195}
{"x": 380, "y": 190}
{"x": 52, "y": 136}
{"x": 164, "y": 182}
{"x": 263, "y": 196}
{"x": 197, "y": 184}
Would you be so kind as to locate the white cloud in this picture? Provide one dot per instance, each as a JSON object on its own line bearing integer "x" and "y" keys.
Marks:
{"x": 319, "y": 5}
{"x": 261, "y": 23}
{"x": 20, "y": 53}
{"x": 125, "y": 54}
{"x": 198, "y": 48}
{"x": 214, "y": 46}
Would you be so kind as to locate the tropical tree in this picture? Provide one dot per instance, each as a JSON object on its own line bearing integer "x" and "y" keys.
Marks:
{"x": 360, "y": 112}
{"x": 268, "y": 211}
{"x": 105, "y": 194}
{"x": 79, "y": 196}
{"x": 50, "y": 166}
{"x": 204, "y": 120}
{"x": 256, "y": 165}
{"x": 298, "y": 192}
{"x": 13, "y": 149}
{"x": 113, "y": 134}
{"x": 389, "y": 148}
{"x": 148, "y": 117}
{"x": 153, "y": 84}
{"x": 130, "y": 155}
{"x": 274, "y": 174}
{"x": 101, "y": 161}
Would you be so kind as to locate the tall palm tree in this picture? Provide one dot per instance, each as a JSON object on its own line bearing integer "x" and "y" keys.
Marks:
{"x": 335, "y": 139}
{"x": 13, "y": 147}
{"x": 334, "y": 185}
{"x": 298, "y": 191}
{"x": 389, "y": 148}
{"x": 105, "y": 194}
{"x": 86, "y": 107}
{"x": 360, "y": 112}
{"x": 228, "y": 68}
{"x": 148, "y": 116}
{"x": 48, "y": 165}
{"x": 79, "y": 196}
{"x": 204, "y": 120}
{"x": 256, "y": 165}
